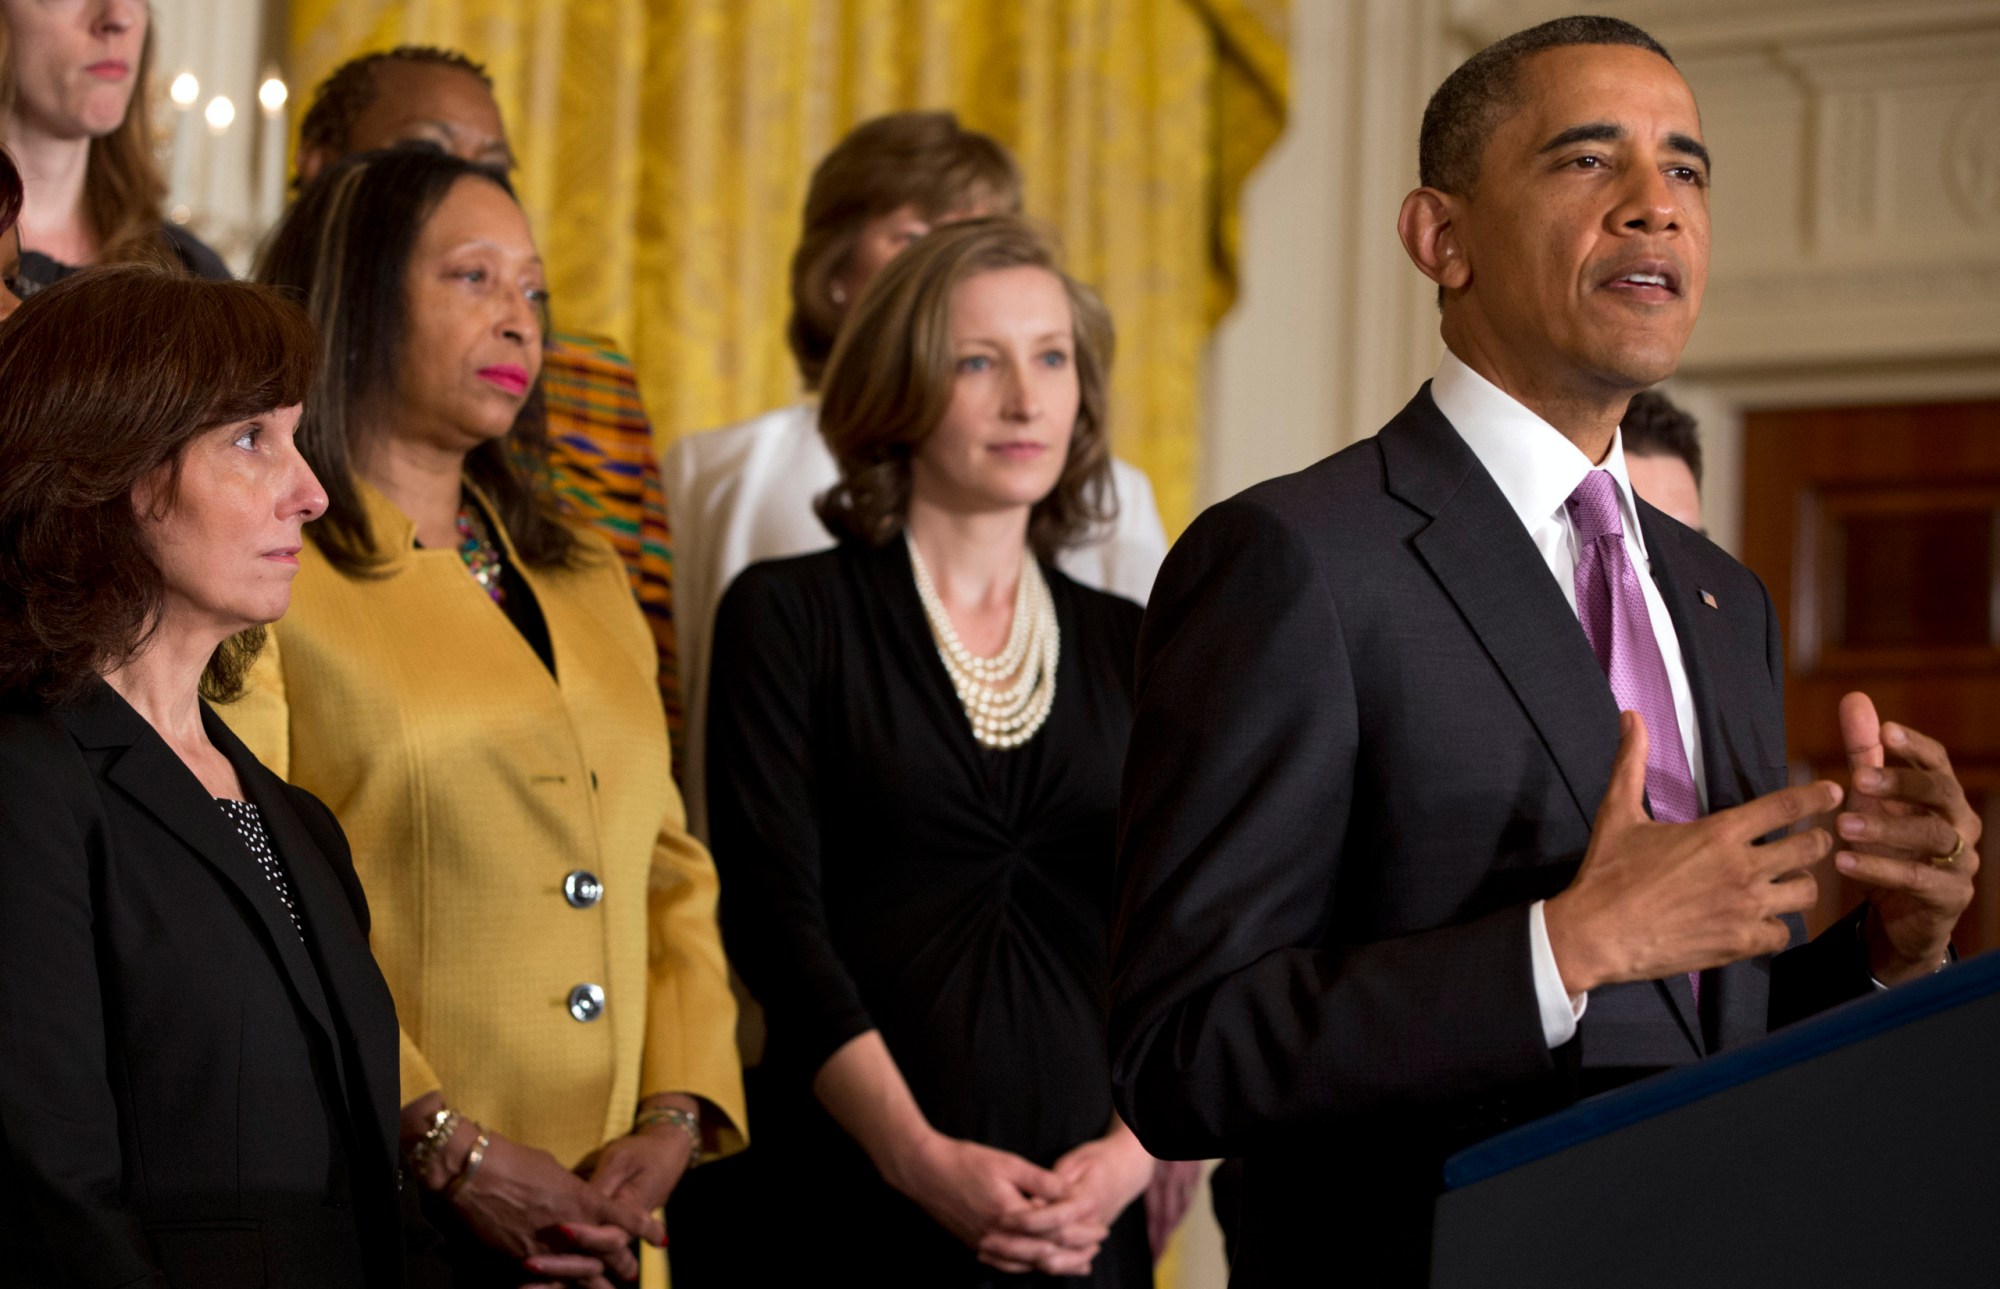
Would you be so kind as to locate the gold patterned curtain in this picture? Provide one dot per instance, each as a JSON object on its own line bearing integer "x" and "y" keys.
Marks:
{"x": 665, "y": 147}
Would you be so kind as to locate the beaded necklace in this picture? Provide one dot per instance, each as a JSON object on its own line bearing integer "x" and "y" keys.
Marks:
{"x": 481, "y": 555}
{"x": 1007, "y": 697}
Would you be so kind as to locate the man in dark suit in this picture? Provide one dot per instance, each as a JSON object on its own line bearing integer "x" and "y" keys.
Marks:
{"x": 1388, "y": 877}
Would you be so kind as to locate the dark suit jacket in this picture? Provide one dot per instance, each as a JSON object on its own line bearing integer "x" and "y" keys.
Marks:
{"x": 1370, "y": 734}
{"x": 189, "y": 1095}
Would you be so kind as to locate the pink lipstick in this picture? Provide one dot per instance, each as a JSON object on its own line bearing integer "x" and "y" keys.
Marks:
{"x": 506, "y": 376}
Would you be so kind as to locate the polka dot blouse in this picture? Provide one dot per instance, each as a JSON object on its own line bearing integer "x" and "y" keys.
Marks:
{"x": 250, "y": 826}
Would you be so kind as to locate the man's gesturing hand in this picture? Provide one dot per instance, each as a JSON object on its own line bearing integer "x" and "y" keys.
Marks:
{"x": 1654, "y": 900}
{"x": 1897, "y": 823}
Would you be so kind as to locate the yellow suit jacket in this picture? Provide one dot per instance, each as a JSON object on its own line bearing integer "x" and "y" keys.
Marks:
{"x": 472, "y": 784}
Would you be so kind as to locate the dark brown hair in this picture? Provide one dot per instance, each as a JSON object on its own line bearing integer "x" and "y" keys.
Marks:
{"x": 890, "y": 379}
{"x": 1654, "y": 427}
{"x": 123, "y": 189}
{"x": 12, "y": 194}
{"x": 344, "y": 248}
{"x": 922, "y": 159}
{"x": 342, "y": 97}
{"x": 109, "y": 375}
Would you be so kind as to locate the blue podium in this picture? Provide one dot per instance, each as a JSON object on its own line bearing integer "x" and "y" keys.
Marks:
{"x": 1861, "y": 1147}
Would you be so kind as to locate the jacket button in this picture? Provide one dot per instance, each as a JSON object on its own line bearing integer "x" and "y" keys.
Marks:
{"x": 586, "y": 1002}
{"x": 582, "y": 889}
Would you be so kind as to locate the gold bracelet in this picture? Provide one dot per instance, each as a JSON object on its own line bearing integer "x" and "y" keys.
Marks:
{"x": 424, "y": 1152}
{"x": 687, "y": 1121}
{"x": 473, "y": 1159}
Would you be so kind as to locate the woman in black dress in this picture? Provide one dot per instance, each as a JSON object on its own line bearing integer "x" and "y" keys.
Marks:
{"x": 915, "y": 753}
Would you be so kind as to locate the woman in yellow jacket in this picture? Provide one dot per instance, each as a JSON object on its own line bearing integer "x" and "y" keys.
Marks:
{"x": 466, "y": 680}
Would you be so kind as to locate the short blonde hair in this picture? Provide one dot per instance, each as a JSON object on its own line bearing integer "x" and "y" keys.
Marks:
{"x": 889, "y": 383}
{"x": 922, "y": 159}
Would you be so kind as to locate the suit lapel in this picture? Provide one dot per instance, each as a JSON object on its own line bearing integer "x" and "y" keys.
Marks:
{"x": 150, "y": 774}
{"x": 1717, "y": 708}
{"x": 1694, "y": 626}
{"x": 1479, "y": 553}
{"x": 340, "y": 949}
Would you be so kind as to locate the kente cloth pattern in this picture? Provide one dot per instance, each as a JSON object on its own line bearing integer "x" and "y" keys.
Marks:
{"x": 607, "y": 470}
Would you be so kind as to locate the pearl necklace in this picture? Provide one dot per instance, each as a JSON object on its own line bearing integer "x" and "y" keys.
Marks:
{"x": 1004, "y": 714}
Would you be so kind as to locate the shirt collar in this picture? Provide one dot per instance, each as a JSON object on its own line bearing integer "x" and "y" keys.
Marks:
{"x": 1534, "y": 464}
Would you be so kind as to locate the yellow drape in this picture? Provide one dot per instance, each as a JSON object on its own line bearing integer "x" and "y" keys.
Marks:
{"x": 666, "y": 144}
{"x": 665, "y": 147}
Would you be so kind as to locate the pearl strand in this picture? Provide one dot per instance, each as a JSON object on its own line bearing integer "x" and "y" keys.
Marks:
{"x": 1003, "y": 715}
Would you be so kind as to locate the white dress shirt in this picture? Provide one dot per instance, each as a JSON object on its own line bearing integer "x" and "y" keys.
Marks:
{"x": 745, "y": 493}
{"x": 1537, "y": 468}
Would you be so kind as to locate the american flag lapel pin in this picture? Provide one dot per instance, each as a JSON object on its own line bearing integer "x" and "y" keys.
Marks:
{"x": 1709, "y": 600}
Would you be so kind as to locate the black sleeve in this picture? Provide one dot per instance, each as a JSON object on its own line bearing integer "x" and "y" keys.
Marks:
{"x": 763, "y": 824}
{"x": 1236, "y": 1021}
{"x": 61, "y": 1164}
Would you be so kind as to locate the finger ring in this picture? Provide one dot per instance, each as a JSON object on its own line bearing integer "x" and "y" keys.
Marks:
{"x": 1946, "y": 861}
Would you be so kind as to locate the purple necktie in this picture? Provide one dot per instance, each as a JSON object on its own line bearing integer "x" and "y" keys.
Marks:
{"x": 1613, "y": 612}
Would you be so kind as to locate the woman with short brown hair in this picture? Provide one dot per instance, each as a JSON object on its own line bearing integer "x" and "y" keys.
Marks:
{"x": 199, "y": 1080}
{"x": 890, "y": 181}
{"x": 914, "y": 777}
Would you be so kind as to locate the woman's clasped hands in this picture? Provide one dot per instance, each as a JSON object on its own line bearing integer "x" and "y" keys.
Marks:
{"x": 1020, "y": 1217}
{"x": 563, "y": 1227}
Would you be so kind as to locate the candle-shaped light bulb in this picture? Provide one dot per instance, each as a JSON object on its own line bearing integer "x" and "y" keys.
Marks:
{"x": 221, "y": 114}
{"x": 185, "y": 90}
{"x": 272, "y": 94}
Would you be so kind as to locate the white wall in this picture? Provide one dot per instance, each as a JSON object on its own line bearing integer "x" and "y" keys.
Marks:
{"x": 1333, "y": 330}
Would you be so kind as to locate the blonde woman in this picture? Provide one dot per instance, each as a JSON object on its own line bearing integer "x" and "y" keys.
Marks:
{"x": 466, "y": 680}
{"x": 914, "y": 763}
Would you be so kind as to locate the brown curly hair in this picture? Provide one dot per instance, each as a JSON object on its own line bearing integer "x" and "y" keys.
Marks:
{"x": 922, "y": 159}
{"x": 110, "y": 374}
{"x": 890, "y": 381}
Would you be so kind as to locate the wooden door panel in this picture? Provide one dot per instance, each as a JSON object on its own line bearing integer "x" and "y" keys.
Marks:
{"x": 1877, "y": 530}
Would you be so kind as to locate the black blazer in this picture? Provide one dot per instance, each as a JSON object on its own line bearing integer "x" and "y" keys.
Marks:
{"x": 1370, "y": 733}
{"x": 189, "y": 1095}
